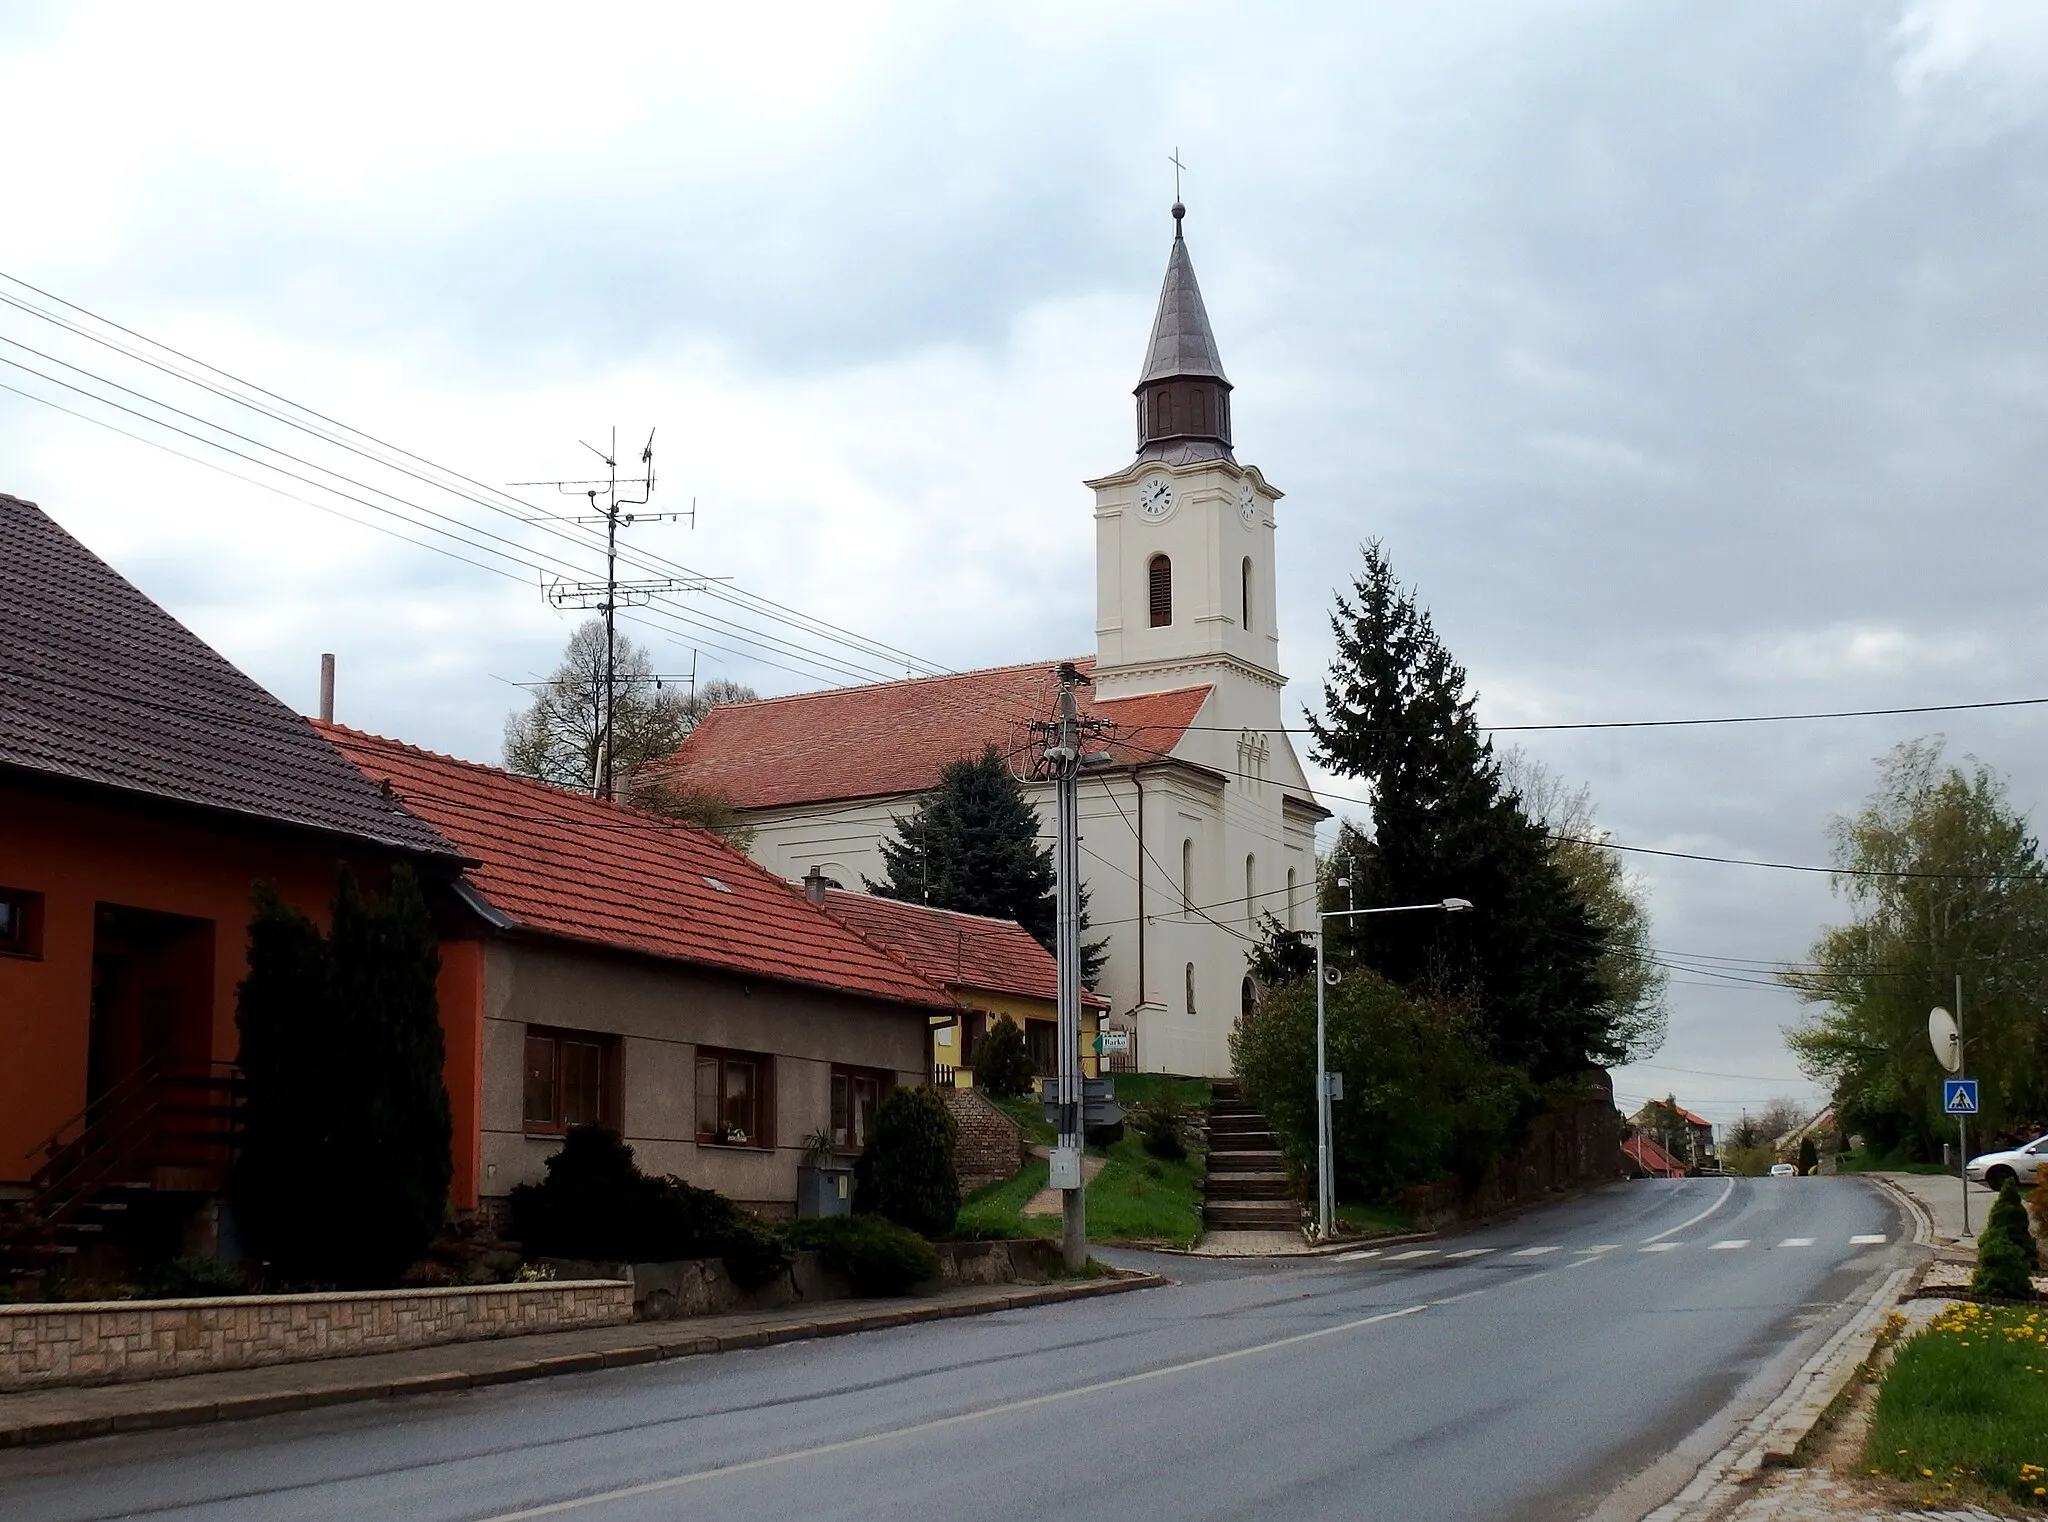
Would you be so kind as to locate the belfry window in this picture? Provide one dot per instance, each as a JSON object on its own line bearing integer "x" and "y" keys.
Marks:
{"x": 1247, "y": 588}
{"x": 1160, "y": 579}
{"x": 1191, "y": 988}
{"x": 1187, "y": 878}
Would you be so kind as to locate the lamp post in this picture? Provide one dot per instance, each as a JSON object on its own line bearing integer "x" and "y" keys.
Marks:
{"x": 1326, "y": 1192}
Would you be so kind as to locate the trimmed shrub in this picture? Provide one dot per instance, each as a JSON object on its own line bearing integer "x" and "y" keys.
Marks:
{"x": 1002, "y": 1061}
{"x": 873, "y": 1254}
{"x": 596, "y": 1203}
{"x": 192, "y": 1278}
{"x": 906, "y": 1172}
{"x": 1159, "y": 1127}
{"x": 2009, "y": 1218}
{"x": 1809, "y": 1157}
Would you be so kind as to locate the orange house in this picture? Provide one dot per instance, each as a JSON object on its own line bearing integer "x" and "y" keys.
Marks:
{"x": 146, "y": 787}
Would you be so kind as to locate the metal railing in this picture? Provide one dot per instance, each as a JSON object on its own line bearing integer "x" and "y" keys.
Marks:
{"x": 153, "y": 1119}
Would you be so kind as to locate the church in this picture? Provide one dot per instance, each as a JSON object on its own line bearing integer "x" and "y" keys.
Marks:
{"x": 1204, "y": 822}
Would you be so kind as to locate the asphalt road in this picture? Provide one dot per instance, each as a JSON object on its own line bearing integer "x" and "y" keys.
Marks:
{"x": 1523, "y": 1372}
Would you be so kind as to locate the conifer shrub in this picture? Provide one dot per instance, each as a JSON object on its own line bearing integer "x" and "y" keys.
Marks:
{"x": 1809, "y": 1156}
{"x": 1002, "y": 1060}
{"x": 873, "y": 1254}
{"x": 595, "y": 1203}
{"x": 2009, "y": 1217}
{"x": 906, "y": 1172}
{"x": 1158, "y": 1125}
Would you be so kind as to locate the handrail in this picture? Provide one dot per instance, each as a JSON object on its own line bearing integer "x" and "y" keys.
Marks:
{"x": 52, "y": 1143}
{"x": 130, "y": 1123}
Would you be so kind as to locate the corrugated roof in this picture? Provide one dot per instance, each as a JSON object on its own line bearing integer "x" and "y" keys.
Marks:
{"x": 958, "y": 950}
{"x": 896, "y": 737}
{"x": 98, "y": 684}
{"x": 561, "y": 864}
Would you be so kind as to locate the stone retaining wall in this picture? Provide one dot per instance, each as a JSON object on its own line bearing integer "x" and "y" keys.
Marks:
{"x": 991, "y": 1145}
{"x": 111, "y": 1341}
{"x": 1573, "y": 1143}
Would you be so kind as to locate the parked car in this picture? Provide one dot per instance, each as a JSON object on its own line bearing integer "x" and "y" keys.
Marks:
{"x": 2021, "y": 1164}
{"x": 1783, "y": 1170}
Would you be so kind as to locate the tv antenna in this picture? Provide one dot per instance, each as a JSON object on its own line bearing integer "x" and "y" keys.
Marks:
{"x": 611, "y": 594}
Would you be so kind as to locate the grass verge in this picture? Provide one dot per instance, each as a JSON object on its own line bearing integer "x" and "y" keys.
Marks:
{"x": 1372, "y": 1221}
{"x": 1135, "y": 1201}
{"x": 1965, "y": 1407}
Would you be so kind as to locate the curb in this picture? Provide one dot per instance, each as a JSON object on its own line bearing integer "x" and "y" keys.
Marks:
{"x": 341, "y": 1392}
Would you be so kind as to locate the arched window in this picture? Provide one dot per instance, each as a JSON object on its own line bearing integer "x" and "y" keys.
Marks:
{"x": 1161, "y": 583}
{"x": 1198, "y": 419}
{"x": 1247, "y": 998}
{"x": 1247, "y": 585}
{"x": 1187, "y": 878}
{"x": 1191, "y": 988}
{"x": 1290, "y": 898}
{"x": 1251, "y": 893}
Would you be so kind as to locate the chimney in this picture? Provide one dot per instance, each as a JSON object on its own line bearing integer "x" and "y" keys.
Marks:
{"x": 814, "y": 886}
{"x": 327, "y": 689}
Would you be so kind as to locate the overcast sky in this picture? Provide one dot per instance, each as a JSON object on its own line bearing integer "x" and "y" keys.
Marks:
{"x": 1689, "y": 358}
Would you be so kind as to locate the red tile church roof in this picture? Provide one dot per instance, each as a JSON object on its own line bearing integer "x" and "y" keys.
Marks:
{"x": 958, "y": 950}
{"x": 895, "y": 737}
{"x": 561, "y": 864}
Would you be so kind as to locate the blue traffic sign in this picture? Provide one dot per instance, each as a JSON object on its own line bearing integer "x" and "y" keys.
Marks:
{"x": 1959, "y": 1096}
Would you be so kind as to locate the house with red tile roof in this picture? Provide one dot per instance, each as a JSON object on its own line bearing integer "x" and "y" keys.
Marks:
{"x": 991, "y": 967}
{"x": 1200, "y": 822}
{"x": 605, "y": 965}
{"x": 146, "y": 787}
{"x": 1645, "y": 1159}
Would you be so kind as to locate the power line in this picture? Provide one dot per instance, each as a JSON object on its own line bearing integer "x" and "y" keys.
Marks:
{"x": 1747, "y": 718}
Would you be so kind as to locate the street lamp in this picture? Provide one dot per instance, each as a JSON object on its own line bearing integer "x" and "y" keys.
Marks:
{"x": 1326, "y": 1191}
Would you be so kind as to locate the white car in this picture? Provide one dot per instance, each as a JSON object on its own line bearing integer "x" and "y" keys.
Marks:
{"x": 2021, "y": 1164}
{"x": 1783, "y": 1170}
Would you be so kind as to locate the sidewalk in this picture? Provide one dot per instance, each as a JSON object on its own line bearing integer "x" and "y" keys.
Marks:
{"x": 57, "y": 1415}
{"x": 1941, "y": 1196}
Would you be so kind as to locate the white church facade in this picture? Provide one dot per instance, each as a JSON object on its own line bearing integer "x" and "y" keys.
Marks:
{"x": 1204, "y": 823}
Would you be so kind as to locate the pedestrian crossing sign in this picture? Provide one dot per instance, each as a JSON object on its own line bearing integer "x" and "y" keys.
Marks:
{"x": 1959, "y": 1096}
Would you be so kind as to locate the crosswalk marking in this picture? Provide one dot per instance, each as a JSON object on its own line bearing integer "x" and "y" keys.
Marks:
{"x": 1418, "y": 1252}
{"x": 1663, "y": 1247}
{"x": 1585, "y": 1254}
{"x": 1474, "y": 1252}
{"x": 1797, "y": 1242}
{"x": 1730, "y": 1245}
{"x": 1876, "y": 1240}
{"x": 1353, "y": 1257}
{"x": 1534, "y": 1252}
{"x": 1598, "y": 1247}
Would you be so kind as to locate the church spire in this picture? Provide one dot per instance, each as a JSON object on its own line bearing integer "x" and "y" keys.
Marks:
{"x": 1183, "y": 397}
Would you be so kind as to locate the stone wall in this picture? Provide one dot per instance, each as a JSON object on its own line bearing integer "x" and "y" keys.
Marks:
{"x": 1574, "y": 1143}
{"x": 991, "y": 1146}
{"x": 111, "y": 1341}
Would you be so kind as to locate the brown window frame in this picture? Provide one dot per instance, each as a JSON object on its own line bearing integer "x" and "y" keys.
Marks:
{"x": 852, "y": 1137}
{"x": 708, "y": 1129}
{"x": 603, "y": 1052}
{"x": 1159, "y": 590}
{"x": 21, "y": 924}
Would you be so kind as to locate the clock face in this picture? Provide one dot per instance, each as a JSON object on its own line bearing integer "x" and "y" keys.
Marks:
{"x": 1155, "y": 497}
{"x": 1247, "y": 505}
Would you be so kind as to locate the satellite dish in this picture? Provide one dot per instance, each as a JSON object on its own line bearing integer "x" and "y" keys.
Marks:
{"x": 1332, "y": 976}
{"x": 1946, "y": 1040}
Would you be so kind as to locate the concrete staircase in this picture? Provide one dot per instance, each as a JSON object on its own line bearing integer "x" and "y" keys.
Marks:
{"x": 1247, "y": 1187}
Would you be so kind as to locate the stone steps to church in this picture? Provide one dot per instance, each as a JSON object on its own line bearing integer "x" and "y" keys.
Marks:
{"x": 1259, "y": 1160}
{"x": 1248, "y": 1186}
{"x": 1252, "y": 1215}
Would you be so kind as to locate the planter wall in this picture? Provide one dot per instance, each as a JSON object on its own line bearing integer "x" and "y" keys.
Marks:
{"x": 113, "y": 1341}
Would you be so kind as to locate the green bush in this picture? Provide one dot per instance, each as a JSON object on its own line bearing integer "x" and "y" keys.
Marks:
{"x": 1421, "y": 1097}
{"x": 906, "y": 1171}
{"x": 1002, "y": 1061}
{"x": 191, "y": 1278}
{"x": 1809, "y": 1157}
{"x": 2006, "y": 1257}
{"x": 2008, "y": 1218}
{"x": 596, "y": 1203}
{"x": 1158, "y": 1125}
{"x": 874, "y": 1255}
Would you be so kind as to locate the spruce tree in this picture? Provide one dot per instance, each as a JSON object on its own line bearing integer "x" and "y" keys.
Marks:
{"x": 1398, "y": 715}
{"x": 972, "y": 845}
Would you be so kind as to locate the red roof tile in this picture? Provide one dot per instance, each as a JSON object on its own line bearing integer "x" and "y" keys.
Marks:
{"x": 562, "y": 864}
{"x": 958, "y": 950}
{"x": 895, "y": 737}
{"x": 1651, "y": 1157}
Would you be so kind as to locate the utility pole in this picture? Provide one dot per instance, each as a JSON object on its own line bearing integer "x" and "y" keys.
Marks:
{"x": 611, "y": 594}
{"x": 1062, "y": 760}
{"x": 1962, "y": 1121}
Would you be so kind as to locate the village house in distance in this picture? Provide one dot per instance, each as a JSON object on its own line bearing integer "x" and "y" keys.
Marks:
{"x": 1204, "y": 822}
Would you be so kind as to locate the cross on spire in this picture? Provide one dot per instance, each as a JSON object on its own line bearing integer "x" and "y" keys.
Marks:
{"x": 1173, "y": 158}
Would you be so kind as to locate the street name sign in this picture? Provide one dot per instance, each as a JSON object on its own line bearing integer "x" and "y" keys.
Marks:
{"x": 1959, "y": 1096}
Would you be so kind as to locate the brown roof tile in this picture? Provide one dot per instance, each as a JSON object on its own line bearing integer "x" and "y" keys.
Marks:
{"x": 958, "y": 950}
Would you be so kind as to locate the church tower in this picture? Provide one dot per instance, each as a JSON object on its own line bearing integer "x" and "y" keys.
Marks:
{"x": 1184, "y": 534}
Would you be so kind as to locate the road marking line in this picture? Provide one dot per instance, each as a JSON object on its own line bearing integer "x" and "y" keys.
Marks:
{"x": 1533, "y": 1252}
{"x": 1730, "y": 1245}
{"x": 748, "y": 1466}
{"x": 1417, "y": 1252}
{"x": 1599, "y": 1247}
{"x": 1353, "y": 1257}
{"x": 1472, "y": 1252}
{"x": 1726, "y": 1190}
{"x": 1797, "y": 1242}
{"x": 1663, "y": 1247}
{"x": 1876, "y": 1240}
